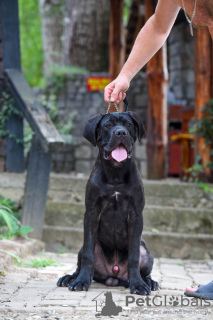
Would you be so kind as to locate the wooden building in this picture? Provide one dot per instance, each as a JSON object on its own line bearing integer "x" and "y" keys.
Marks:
{"x": 157, "y": 77}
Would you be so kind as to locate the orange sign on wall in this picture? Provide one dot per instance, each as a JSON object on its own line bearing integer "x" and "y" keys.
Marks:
{"x": 97, "y": 83}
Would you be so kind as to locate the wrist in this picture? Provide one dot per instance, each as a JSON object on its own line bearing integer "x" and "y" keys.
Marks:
{"x": 128, "y": 71}
{"x": 124, "y": 76}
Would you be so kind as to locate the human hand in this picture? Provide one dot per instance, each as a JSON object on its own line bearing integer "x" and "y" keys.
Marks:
{"x": 116, "y": 89}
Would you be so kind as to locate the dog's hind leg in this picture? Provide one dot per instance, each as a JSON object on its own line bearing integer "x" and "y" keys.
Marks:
{"x": 66, "y": 280}
{"x": 146, "y": 264}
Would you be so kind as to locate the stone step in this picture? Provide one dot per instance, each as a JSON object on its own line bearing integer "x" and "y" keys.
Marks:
{"x": 20, "y": 247}
{"x": 70, "y": 188}
{"x": 161, "y": 244}
{"x": 168, "y": 192}
{"x": 161, "y": 218}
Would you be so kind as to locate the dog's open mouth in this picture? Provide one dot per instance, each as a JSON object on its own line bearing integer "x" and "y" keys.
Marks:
{"x": 119, "y": 154}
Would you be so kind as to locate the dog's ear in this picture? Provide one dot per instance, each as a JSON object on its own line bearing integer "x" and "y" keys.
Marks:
{"x": 138, "y": 123}
{"x": 90, "y": 129}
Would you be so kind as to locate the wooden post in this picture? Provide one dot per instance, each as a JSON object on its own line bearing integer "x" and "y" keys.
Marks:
{"x": 46, "y": 140}
{"x": 116, "y": 41}
{"x": 203, "y": 85}
{"x": 36, "y": 188}
{"x": 11, "y": 59}
{"x": 157, "y": 76}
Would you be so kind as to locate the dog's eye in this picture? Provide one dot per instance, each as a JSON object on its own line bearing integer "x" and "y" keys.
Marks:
{"x": 108, "y": 125}
{"x": 129, "y": 124}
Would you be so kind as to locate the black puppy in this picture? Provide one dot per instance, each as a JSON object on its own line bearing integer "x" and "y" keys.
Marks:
{"x": 113, "y": 252}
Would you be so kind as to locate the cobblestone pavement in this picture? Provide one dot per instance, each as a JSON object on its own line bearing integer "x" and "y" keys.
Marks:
{"x": 28, "y": 293}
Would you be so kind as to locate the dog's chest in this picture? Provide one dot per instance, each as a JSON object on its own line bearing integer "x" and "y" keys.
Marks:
{"x": 113, "y": 204}
{"x": 113, "y": 219}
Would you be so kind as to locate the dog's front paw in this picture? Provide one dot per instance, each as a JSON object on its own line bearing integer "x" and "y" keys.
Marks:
{"x": 138, "y": 286}
{"x": 82, "y": 282}
{"x": 66, "y": 280}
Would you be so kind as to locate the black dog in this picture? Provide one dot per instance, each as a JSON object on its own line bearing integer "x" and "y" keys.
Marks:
{"x": 113, "y": 252}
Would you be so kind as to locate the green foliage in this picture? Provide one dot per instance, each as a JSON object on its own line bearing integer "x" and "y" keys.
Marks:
{"x": 10, "y": 225}
{"x": 7, "y": 110}
{"x": 62, "y": 251}
{"x": 197, "y": 175}
{"x": 39, "y": 263}
{"x": 126, "y": 9}
{"x": 205, "y": 124}
{"x": 31, "y": 42}
{"x": 11, "y": 254}
{"x": 49, "y": 102}
{"x": 48, "y": 99}
{"x": 2, "y": 273}
{"x": 204, "y": 128}
{"x": 64, "y": 70}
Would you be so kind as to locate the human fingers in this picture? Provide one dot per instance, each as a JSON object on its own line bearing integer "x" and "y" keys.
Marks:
{"x": 108, "y": 91}
{"x": 116, "y": 95}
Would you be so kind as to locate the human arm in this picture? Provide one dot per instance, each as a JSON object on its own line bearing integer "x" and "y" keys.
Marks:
{"x": 149, "y": 40}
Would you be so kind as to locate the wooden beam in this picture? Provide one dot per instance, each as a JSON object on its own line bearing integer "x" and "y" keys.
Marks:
{"x": 157, "y": 77}
{"x": 36, "y": 188}
{"x": 33, "y": 111}
{"x": 11, "y": 59}
{"x": 203, "y": 85}
{"x": 116, "y": 42}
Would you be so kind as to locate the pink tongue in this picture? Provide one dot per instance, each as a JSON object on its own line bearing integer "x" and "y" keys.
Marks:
{"x": 119, "y": 154}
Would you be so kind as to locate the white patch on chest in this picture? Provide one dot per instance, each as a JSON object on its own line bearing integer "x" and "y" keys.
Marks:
{"x": 116, "y": 195}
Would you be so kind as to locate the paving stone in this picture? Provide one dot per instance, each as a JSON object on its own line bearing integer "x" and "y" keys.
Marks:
{"x": 39, "y": 298}
{"x": 202, "y": 278}
{"x": 171, "y": 285}
{"x": 170, "y": 261}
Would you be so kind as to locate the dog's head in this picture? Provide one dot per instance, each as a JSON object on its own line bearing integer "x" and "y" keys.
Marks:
{"x": 114, "y": 134}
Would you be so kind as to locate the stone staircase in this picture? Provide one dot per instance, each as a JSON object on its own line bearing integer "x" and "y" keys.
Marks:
{"x": 178, "y": 217}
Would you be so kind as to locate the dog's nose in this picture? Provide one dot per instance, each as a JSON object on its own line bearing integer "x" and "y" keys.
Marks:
{"x": 120, "y": 133}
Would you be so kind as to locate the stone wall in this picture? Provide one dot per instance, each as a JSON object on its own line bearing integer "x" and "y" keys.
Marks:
{"x": 80, "y": 156}
{"x": 181, "y": 63}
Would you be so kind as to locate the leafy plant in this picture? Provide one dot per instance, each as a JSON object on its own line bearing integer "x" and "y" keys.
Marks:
{"x": 49, "y": 99}
{"x": 2, "y": 273}
{"x": 17, "y": 258}
{"x": 197, "y": 173}
{"x": 126, "y": 9}
{"x": 7, "y": 110}
{"x": 49, "y": 102}
{"x": 204, "y": 128}
{"x": 9, "y": 219}
{"x": 28, "y": 134}
{"x": 10, "y": 226}
{"x": 39, "y": 263}
{"x": 62, "y": 251}
{"x": 31, "y": 42}
{"x": 205, "y": 124}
